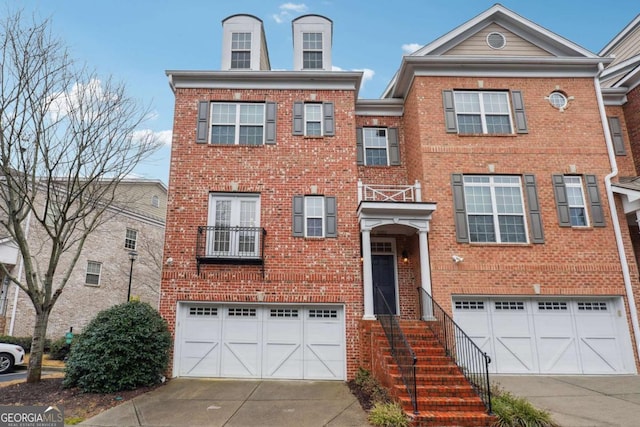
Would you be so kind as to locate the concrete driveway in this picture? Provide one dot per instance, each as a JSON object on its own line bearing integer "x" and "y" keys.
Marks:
{"x": 581, "y": 401}
{"x": 229, "y": 403}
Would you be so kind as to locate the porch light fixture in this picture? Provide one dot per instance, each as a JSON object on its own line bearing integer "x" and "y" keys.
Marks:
{"x": 405, "y": 256}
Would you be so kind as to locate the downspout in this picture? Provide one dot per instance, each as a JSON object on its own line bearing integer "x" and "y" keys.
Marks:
{"x": 614, "y": 213}
{"x": 14, "y": 309}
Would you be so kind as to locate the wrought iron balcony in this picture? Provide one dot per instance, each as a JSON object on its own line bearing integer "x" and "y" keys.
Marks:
{"x": 230, "y": 245}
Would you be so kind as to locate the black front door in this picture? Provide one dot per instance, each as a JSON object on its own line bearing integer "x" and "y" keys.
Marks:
{"x": 384, "y": 280}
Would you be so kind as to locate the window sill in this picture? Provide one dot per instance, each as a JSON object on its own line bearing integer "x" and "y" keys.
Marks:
{"x": 314, "y": 136}
{"x": 502, "y": 245}
{"x": 492, "y": 135}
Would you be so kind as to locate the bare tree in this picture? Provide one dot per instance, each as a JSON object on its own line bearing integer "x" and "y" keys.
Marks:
{"x": 66, "y": 142}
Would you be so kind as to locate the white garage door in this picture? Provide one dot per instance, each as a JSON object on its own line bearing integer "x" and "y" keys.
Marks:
{"x": 549, "y": 336}
{"x": 260, "y": 341}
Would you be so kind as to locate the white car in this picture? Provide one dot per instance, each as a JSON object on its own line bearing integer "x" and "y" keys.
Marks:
{"x": 10, "y": 355}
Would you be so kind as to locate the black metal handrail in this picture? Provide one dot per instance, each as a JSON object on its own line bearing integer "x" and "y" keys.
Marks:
{"x": 473, "y": 362}
{"x": 401, "y": 351}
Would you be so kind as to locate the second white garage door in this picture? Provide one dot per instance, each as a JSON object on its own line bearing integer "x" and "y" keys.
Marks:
{"x": 260, "y": 341}
{"x": 549, "y": 336}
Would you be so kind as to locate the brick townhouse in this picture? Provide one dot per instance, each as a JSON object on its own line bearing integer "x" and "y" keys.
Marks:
{"x": 483, "y": 176}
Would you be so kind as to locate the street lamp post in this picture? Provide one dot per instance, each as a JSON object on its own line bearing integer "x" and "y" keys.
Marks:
{"x": 132, "y": 256}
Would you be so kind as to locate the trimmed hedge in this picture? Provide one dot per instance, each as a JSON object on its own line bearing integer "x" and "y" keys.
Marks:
{"x": 122, "y": 348}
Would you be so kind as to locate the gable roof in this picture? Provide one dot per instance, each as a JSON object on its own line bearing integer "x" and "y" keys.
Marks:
{"x": 545, "y": 53}
{"x": 498, "y": 14}
{"x": 621, "y": 39}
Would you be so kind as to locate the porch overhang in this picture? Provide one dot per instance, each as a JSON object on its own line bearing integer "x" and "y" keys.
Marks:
{"x": 629, "y": 189}
{"x": 395, "y": 217}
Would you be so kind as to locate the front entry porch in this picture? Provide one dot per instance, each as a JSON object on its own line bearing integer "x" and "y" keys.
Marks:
{"x": 395, "y": 249}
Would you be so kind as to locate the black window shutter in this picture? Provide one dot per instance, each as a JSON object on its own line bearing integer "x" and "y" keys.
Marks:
{"x": 202, "y": 126}
{"x": 531, "y": 190}
{"x": 562, "y": 204}
{"x": 518, "y": 110}
{"x": 331, "y": 218}
{"x": 359, "y": 146}
{"x": 462, "y": 230}
{"x": 616, "y": 136}
{"x": 449, "y": 111}
{"x": 597, "y": 214}
{"x": 298, "y": 118}
{"x": 298, "y": 216}
{"x": 394, "y": 147}
{"x": 270, "y": 123}
{"x": 329, "y": 121}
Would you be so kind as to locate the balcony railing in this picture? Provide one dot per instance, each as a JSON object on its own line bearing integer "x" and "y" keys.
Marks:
{"x": 472, "y": 361}
{"x": 230, "y": 245}
{"x": 389, "y": 193}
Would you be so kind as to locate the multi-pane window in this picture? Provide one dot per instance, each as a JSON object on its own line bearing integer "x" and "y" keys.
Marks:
{"x": 375, "y": 146}
{"x": 314, "y": 216}
{"x": 313, "y": 119}
{"x": 312, "y": 51}
{"x": 93, "y": 273}
{"x": 130, "y": 239}
{"x": 241, "y": 50}
{"x": 495, "y": 209}
{"x": 482, "y": 112}
{"x": 575, "y": 199}
{"x": 234, "y": 223}
{"x": 234, "y": 124}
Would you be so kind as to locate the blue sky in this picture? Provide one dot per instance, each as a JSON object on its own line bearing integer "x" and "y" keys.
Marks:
{"x": 137, "y": 40}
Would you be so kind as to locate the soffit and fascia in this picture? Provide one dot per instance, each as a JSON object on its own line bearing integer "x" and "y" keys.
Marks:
{"x": 276, "y": 80}
{"x": 620, "y": 36}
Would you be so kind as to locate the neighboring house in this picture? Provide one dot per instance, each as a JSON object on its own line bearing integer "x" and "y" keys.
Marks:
{"x": 100, "y": 278}
{"x": 480, "y": 177}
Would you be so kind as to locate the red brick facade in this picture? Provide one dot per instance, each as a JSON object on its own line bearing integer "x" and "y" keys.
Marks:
{"x": 570, "y": 261}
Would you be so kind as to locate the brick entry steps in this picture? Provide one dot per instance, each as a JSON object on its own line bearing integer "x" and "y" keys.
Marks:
{"x": 445, "y": 398}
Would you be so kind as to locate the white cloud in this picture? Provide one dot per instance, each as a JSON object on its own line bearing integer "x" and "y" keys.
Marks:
{"x": 409, "y": 48}
{"x": 285, "y": 10}
{"x": 299, "y": 8}
{"x": 163, "y": 136}
{"x": 367, "y": 74}
{"x": 81, "y": 97}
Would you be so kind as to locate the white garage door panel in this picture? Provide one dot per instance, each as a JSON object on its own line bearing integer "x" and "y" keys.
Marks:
{"x": 260, "y": 341}
{"x": 323, "y": 351}
{"x": 240, "y": 343}
{"x": 555, "y": 338}
{"x": 282, "y": 340}
{"x": 513, "y": 337}
{"x": 549, "y": 336}
{"x": 597, "y": 330}
{"x": 200, "y": 352}
{"x": 475, "y": 324}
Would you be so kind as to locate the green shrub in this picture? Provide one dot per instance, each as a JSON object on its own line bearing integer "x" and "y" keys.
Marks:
{"x": 513, "y": 411}
{"x": 388, "y": 414}
{"x": 59, "y": 349}
{"x": 122, "y": 348}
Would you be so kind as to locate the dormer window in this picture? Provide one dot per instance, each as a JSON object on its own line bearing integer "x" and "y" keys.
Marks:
{"x": 241, "y": 51}
{"x": 312, "y": 51}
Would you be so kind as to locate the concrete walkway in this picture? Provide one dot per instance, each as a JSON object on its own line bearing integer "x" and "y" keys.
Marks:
{"x": 235, "y": 403}
{"x": 581, "y": 401}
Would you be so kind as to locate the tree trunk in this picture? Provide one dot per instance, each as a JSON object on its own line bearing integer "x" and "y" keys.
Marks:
{"x": 34, "y": 373}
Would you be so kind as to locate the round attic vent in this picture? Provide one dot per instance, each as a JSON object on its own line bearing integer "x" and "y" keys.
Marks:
{"x": 496, "y": 40}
